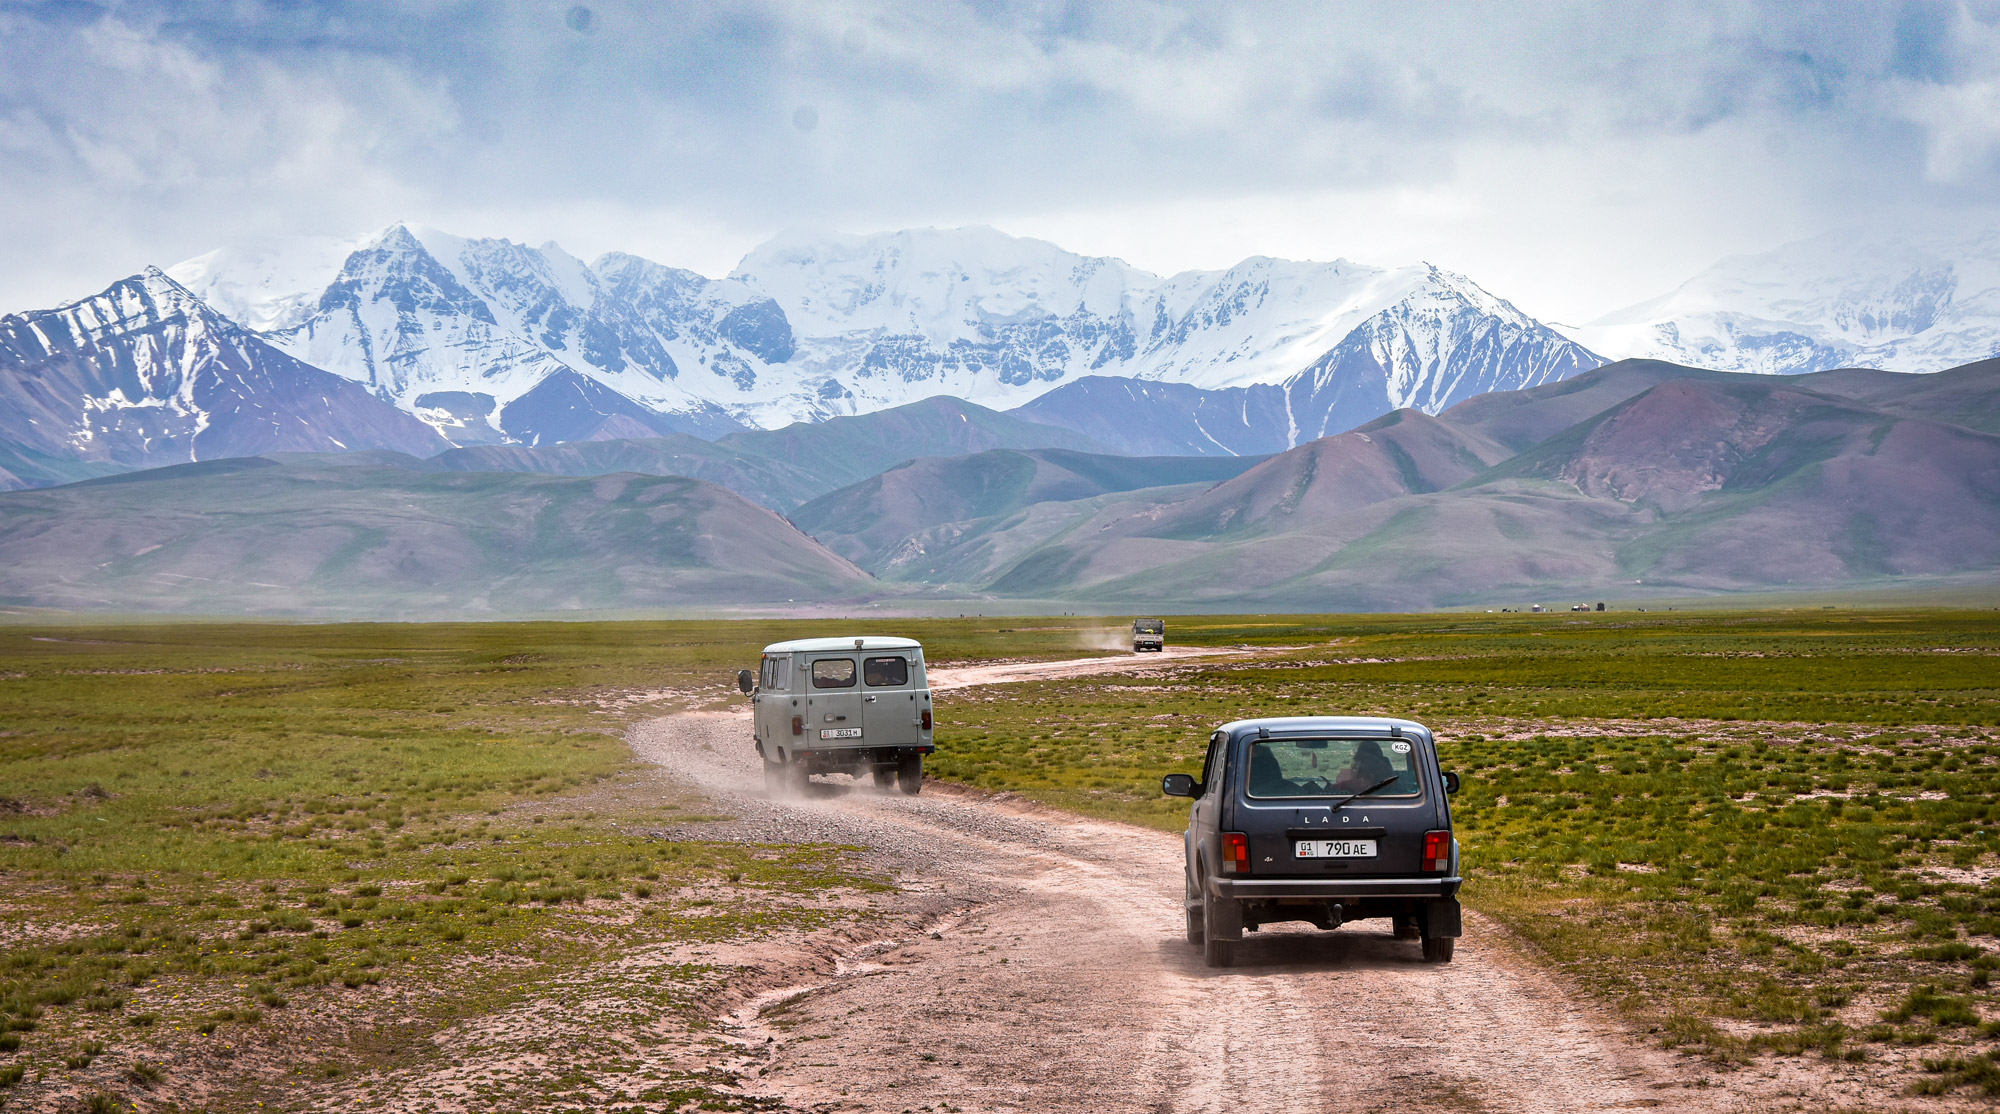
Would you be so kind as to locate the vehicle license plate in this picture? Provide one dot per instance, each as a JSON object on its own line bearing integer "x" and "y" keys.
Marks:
{"x": 1335, "y": 848}
{"x": 854, "y": 733}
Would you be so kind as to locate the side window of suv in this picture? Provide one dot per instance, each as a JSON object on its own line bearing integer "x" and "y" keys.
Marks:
{"x": 1211, "y": 768}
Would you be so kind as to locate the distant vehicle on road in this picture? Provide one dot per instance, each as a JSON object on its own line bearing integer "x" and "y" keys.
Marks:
{"x": 1322, "y": 819}
{"x": 1149, "y": 634}
{"x": 841, "y": 705}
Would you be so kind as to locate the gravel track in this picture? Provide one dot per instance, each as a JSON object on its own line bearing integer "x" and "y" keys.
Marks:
{"x": 1050, "y": 974}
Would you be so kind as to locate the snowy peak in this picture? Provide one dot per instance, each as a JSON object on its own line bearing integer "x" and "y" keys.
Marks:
{"x": 1913, "y": 302}
{"x": 812, "y": 325}
{"x": 144, "y": 373}
{"x": 931, "y": 282}
{"x": 266, "y": 285}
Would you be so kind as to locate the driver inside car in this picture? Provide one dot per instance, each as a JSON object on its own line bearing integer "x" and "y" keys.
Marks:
{"x": 1368, "y": 767}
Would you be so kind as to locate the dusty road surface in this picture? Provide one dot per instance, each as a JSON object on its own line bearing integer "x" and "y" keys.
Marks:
{"x": 1055, "y": 978}
{"x": 965, "y": 676}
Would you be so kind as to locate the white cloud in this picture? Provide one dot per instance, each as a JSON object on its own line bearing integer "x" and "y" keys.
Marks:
{"x": 1569, "y": 156}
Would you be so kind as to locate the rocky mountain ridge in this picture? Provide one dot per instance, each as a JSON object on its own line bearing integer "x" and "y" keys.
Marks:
{"x": 1633, "y": 481}
{"x": 810, "y": 327}
{"x": 1885, "y": 298}
{"x": 145, "y": 374}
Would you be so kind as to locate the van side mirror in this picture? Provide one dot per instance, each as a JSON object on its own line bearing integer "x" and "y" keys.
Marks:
{"x": 1450, "y": 782}
{"x": 746, "y": 680}
{"x": 1180, "y": 785}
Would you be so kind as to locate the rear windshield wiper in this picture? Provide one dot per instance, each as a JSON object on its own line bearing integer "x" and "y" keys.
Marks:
{"x": 1393, "y": 779}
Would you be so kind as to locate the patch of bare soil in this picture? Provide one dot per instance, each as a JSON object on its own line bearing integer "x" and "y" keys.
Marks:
{"x": 1056, "y": 978}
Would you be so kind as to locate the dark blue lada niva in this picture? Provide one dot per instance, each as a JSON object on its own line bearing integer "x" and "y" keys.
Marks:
{"x": 1322, "y": 819}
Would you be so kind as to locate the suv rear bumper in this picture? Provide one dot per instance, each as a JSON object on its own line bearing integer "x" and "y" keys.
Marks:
{"x": 1333, "y": 888}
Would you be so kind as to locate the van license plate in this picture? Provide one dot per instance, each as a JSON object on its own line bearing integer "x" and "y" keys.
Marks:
{"x": 1335, "y": 848}
{"x": 855, "y": 733}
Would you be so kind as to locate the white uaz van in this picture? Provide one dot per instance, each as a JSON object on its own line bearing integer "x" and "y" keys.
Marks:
{"x": 841, "y": 705}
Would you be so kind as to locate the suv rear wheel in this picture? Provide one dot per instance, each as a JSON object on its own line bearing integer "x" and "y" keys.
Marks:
{"x": 1192, "y": 905}
{"x": 1438, "y": 949}
{"x": 1222, "y": 927}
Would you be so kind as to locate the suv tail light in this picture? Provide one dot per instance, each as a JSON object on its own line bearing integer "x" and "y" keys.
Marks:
{"x": 798, "y": 725}
{"x": 1235, "y": 853}
{"x": 1437, "y": 850}
{"x": 927, "y": 719}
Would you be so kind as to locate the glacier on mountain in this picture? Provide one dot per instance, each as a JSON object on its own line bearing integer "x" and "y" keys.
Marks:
{"x": 811, "y": 326}
{"x": 145, "y": 374}
{"x": 1897, "y": 300}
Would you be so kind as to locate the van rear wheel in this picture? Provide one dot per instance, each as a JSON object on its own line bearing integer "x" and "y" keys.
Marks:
{"x": 885, "y": 776}
{"x": 910, "y": 774}
{"x": 1438, "y": 949}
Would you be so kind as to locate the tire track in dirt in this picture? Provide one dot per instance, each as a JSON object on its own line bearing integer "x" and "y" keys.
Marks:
{"x": 1064, "y": 983}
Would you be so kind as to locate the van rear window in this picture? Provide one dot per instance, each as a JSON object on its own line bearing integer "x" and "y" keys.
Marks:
{"x": 886, "y": 672}
{"x": 833, "y": 673}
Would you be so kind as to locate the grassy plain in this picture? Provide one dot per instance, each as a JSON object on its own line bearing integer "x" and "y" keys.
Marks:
{"x": 1758, "y": 832}
{"x": 219, "y": 833}
{"x": 1762, "y": 834}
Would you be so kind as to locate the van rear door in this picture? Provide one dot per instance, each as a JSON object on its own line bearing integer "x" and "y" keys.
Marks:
{"x": 890, "y": 703}
{"x": 833, "y": 702}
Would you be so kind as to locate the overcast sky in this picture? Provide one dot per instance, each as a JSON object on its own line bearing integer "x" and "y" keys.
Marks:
{"x": 1570, "y": 157}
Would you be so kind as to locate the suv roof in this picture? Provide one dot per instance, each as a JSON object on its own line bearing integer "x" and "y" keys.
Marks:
{"x": 852, "y": 642}
{"x": 1306, "y": 725}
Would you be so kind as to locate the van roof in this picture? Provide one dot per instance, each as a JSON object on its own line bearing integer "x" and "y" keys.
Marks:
{"x": 852, "y": 642}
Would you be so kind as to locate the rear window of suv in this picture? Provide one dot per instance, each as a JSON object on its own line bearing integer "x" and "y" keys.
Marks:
{"x": 1331, "y": 767}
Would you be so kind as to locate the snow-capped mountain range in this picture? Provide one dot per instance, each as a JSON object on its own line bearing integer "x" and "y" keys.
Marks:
{"x": 146, "y": 374}
{"x": 455, "y": 330}
{"x": 413, "y": 338}
{"x": 1894, "y": 300}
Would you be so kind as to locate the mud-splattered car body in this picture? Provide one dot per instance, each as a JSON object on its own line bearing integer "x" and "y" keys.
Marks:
{"x": 1322, "y": 819}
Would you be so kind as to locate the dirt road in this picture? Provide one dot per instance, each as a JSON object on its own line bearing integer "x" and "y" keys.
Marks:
{"x": 1057, "y": 979}
{"x": 943, "y": 678}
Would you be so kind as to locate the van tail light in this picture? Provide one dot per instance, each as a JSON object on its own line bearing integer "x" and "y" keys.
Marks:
{"x": 798, "y": 725}
{"x": 1437, "y": 850}
{"x": 1235, "y": 853}
{"x": 927, "y": 719}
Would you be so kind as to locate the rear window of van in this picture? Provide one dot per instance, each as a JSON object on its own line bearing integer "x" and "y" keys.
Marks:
{"x": 833, "y": 673}
{"x": 886, "y": 672}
